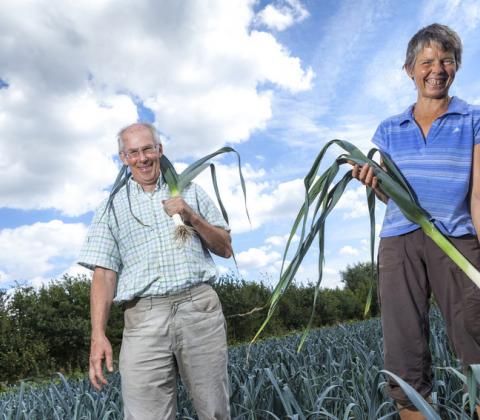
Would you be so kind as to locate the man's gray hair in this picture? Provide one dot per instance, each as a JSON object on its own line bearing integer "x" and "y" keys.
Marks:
{"x": 436, "y": 34}
{"x": 152, "y": 129}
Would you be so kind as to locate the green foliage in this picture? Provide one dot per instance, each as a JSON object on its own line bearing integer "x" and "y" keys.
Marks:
{"x": 337, "y": 376}
{"x": 20, "y": 352}
{"x": 47, "y": 330}
{"x": 240, "y": 298}
{"x": 358, "y": 279}
{"x": 177, "y": 182}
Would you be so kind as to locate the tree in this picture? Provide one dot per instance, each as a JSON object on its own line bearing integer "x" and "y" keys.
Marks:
{"x": 48, "y": 329}
{"x": 358, "y": 279}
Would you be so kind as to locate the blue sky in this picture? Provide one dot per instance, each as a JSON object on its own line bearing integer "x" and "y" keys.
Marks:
{"x": 274, "y": 79}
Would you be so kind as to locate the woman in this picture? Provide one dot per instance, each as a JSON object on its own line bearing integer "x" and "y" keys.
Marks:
{"x": 436, "y": 145}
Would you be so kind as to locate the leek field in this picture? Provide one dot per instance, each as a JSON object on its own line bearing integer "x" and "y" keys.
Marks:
{"x": 336, "y": 376}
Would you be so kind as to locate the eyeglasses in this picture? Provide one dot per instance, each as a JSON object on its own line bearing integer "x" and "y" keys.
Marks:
{"x": 148, "y": 151}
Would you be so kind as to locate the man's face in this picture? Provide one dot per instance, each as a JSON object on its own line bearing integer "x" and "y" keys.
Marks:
{"x": 142, "y": 155}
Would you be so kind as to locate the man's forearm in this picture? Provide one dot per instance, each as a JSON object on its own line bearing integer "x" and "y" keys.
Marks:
{"x": 101, "y": 297}
{"x": 102, "y": 291}
{"x": 215, "y": 238}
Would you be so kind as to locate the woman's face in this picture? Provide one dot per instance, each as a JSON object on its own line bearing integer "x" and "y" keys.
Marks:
{"x": 433, "y": 72}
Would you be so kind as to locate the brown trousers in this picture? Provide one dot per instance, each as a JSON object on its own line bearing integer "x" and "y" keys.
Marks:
{"x": 411, "y": 267}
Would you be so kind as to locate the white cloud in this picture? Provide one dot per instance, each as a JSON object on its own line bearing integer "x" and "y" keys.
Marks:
{"x": 3, "y": 277}
{"x": 39, "y": 282}
{"x": 62, "y": 147}
{"x": 266, "y": 200}
{"x": 282, "y": 15}
{"x": 258, "y": 259}
{"x": 73, "y": 271}
{"x": 281, "y": 241}
{"x": 74, "y": 67}
{"x": 356, "y": 129}
{"x": 461, "y": 15}
{"x": 32, "y": 251}
{"x": 354, "y": 203}
{"x": 222, "y": 269}
{"x": 348, "y": 250}
{"x": 338, "y": 255}
{"x": 331, "y": 279}
{"x": 77, "y": 270}
{"x": 308, "y": 273}
{"x": 390, "y": 85}
{"x": 311, "y": 126}
{"x": 338, "y": 49}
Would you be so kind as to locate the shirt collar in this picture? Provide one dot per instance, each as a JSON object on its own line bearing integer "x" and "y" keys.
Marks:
{"x": 456, "y": 106}
{"x": 136, "y": 188}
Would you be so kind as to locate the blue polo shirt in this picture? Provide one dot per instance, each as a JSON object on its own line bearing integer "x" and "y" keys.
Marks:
{"x": 438, "y": 167}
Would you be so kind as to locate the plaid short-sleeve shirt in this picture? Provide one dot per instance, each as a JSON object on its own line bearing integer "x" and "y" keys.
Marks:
{"x": 143, "y": 253}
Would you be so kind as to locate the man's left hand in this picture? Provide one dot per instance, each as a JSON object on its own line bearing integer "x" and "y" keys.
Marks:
{"x": 177, "y": 205}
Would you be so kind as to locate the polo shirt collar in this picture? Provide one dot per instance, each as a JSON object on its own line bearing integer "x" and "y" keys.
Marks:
{"x": 407, "y": 115}
{"x": 456, "y": 106}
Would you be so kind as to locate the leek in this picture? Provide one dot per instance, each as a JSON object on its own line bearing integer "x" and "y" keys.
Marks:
{"x": 176, "y": 184}
{"x": 321, "y": 194}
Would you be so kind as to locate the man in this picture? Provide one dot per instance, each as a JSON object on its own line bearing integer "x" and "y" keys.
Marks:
{"x": 173, "y": 318}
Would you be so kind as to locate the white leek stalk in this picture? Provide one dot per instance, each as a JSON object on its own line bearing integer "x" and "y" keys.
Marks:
{"x": 177, "y": 183}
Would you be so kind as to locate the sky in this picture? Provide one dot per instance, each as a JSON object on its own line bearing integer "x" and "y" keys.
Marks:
{"x": 274, "y": 79}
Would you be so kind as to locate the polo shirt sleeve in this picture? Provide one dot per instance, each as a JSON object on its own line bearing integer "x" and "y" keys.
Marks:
{"x": 380, "y": 138}
{"x": 208, "y": 210}
{"x": 100, "y": 248}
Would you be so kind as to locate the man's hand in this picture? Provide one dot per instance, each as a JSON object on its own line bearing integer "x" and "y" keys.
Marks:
{"x": 100, "y": 348}
{"x": 177, "y": 205}
{"x": 103, "y": 287}
{"x": 215, "y": 238}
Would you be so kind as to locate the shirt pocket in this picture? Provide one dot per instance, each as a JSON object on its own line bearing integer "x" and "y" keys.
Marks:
{"x": 134, "y": 243}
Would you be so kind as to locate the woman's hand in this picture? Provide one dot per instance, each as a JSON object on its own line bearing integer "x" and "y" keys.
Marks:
{"x": 367, "y": 177}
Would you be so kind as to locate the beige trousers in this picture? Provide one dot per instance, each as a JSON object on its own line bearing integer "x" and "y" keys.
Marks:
{"x": 183, "y": 333}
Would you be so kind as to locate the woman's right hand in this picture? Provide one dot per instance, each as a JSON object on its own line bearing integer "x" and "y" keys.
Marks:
{"x": 365, "y": 175}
